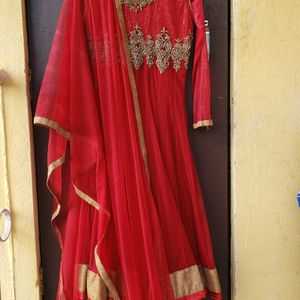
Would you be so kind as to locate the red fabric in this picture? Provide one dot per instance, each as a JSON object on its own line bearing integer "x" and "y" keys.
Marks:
{"x": 143, "y": 231}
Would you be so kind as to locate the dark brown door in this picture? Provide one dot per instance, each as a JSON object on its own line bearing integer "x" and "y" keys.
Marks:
{"x": 210, "y": 148}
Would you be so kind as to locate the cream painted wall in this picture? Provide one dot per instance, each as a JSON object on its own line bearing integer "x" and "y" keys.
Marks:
{"x": 19, "y": 256}
{"x": 265, "y": 84}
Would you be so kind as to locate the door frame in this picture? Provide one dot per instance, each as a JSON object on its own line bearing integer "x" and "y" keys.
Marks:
{"x": 20, "y": 254}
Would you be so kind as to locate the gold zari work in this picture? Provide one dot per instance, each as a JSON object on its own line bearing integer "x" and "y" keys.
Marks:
{"x": 184, "y": 282}
{"x": 159, "y": 51}
{"x": 137, "y": 5}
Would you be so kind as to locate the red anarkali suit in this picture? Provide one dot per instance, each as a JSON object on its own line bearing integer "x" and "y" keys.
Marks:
{"x": 128, "y": 210}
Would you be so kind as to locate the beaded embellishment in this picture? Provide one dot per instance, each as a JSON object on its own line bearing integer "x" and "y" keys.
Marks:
{"x": 137, "y": 5}
{"x": 159, "y": 51}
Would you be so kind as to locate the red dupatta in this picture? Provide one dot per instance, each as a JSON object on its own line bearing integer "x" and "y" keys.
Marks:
{"x": 91, "y": 108}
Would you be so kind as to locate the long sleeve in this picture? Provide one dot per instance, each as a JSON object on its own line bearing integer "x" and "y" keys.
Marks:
{"x": 201, "y": 72}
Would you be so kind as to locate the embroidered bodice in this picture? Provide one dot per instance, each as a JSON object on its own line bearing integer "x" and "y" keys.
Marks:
{"x": 137, "y": 5}
{"x": 160, "y": 33}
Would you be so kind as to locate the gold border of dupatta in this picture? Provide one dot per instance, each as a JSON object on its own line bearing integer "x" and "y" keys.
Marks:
{"x": 136, "y": 104}
{"x": 52, "y": 124}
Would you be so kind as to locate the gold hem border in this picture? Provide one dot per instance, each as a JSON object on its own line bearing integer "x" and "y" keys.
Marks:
{"x": 90, "y": 284}
{"x": 82, "y": 278}
{"x": 96, "y": 288}
{"x": 185, "y": 282}
{"x": 203, "y": 123}
{"x": 190, "y": 275}
{"x": 194, "y": 279}
{"x": 212, "y": 279}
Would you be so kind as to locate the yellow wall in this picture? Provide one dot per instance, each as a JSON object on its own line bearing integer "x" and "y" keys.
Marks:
{"x": 19, "y": 256}
{"x": 265, "y": 84}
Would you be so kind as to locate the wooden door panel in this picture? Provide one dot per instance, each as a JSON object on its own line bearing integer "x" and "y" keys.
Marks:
{"x": 211, "y": 147}
{"x": 41, "y": 24}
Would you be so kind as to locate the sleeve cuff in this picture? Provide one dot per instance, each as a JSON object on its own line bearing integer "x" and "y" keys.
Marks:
{"x": 202, "y": 123}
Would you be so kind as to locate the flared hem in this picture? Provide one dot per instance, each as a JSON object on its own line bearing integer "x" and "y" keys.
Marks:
{"x": 176, "y": 277}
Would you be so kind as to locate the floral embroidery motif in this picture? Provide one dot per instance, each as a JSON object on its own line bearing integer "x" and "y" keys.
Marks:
{"x": 161, "y": 49}
{"x": 181, "y": 52}
{"x": 137, "y": 5}
{"x": 136, "y": 47}
{"x": 158, "y": 51}
{"x": 149, "y": 50}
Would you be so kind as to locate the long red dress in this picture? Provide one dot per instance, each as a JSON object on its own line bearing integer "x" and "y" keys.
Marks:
{"x": 128, "y": 209}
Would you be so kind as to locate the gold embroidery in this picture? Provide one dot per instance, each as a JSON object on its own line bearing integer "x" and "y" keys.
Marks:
{"x": 149, "y": 50}
{"x": 136, "y": 47}
{"x": 161, "y": 48}
{"x": 159, "y": 51}
{"x": 137, "y": 5}
{"x": 181, "y": 52}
